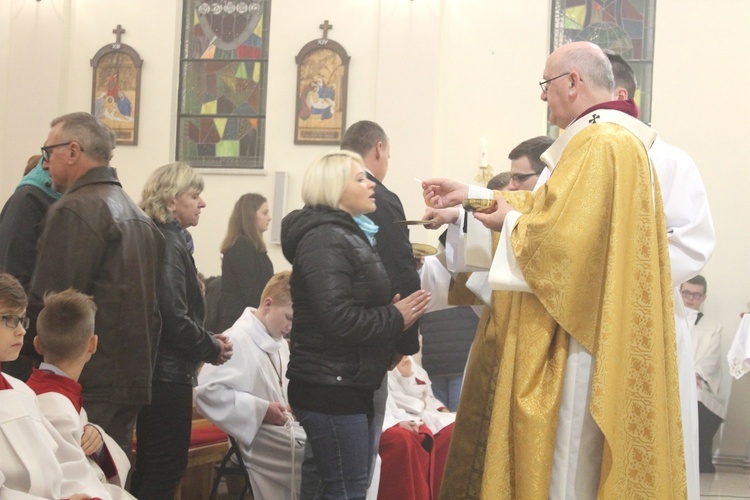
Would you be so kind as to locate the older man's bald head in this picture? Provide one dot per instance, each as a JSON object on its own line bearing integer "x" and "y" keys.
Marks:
{"x": 588, "y": 81}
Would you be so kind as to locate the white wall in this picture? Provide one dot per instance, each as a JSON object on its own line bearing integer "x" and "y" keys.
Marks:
{"x": 701, "y": 105}
{"x": 437, "y": 74}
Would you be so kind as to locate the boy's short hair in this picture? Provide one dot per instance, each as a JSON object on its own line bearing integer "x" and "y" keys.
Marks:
{"x": 278, "y": 290}
{"x": 66, "y": 324}
{"x": 12, "y": 294}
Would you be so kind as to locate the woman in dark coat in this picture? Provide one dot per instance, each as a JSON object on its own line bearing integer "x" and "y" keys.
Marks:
{"x": 171, "y": 197}
{"x": 245, "y": 266}
{"x": 345, "y": 321}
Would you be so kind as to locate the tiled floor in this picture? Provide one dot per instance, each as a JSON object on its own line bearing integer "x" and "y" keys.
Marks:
{"x": 725, "y": 485}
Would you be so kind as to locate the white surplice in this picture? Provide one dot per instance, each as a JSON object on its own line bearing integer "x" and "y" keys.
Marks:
{"x": 35, "y": 461}
{"x": 738, "y": 356}
{"x": 235, "y": 396}
{"x": 706, "y": 342}
{"x": 413, "y": 395}
{"x": 691, "y": 238}
{"x": 63, "y": 416}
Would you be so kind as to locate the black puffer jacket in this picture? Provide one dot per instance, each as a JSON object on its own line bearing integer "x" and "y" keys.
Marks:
{"x": 344, "y": 329}
{"x": 184, "y": 342}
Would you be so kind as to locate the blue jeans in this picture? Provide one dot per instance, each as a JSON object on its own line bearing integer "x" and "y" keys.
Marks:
{"x": 447, "y": 389}
{"x": 341, "y": 452}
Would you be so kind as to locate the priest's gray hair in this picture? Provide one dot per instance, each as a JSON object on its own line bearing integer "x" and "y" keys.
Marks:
{"x": 593, "y": 66}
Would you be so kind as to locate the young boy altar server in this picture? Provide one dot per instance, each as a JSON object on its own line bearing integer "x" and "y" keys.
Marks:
{"x": 247, "y": 395}
{"x": 66, "y": 339}
{"x": 417, "y": 431}
{"x": 35, "y": 461}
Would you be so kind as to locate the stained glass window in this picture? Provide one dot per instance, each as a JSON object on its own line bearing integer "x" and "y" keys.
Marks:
{"x": 625, "y": 27}
{"x": 223, "y": 74}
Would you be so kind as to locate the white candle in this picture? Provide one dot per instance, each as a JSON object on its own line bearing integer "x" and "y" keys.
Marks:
{"x": 483, "y": 161}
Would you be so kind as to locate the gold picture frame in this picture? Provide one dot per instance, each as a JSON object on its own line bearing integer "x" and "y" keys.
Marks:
{"x": 116, "y": 90}
{"x": 322, "y": 75}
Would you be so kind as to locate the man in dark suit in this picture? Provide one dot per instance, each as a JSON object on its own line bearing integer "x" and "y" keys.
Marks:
{"x": 391, "y": 242}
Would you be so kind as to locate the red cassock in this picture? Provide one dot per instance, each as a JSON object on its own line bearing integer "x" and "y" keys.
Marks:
{"x": 412, "y": 463}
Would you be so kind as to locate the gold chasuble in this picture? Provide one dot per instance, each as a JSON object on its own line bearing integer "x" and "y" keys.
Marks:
{"x": 592, "y": 246}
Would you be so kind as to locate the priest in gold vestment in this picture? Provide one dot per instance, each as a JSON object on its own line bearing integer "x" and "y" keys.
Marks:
{"x": 583, "y": 298}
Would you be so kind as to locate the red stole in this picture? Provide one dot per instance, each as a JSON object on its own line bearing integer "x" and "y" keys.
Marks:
{"x": 4, "y": 384}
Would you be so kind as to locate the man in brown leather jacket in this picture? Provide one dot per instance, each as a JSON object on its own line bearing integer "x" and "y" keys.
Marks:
{"x": 95, "y": 239}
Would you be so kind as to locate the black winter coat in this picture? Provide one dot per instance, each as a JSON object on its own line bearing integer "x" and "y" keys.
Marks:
{"x": 244, "y": 274}
{"x": 345, "y": 328}
{"x": 394, "y": 248}
{"x": 184, "y": 342}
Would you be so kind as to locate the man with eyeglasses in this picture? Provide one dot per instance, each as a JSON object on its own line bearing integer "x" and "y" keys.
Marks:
{"x": 571, "y": 389}
{"x": 691, "y": 238}
{"x": 526, "y": 164}
{"x": 706, "y": 339}
{"x": 525, "y": 168}
{"x": 96, "y": 240}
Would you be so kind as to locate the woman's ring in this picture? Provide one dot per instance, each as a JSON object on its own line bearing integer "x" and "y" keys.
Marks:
{"x": 414, "y": 309}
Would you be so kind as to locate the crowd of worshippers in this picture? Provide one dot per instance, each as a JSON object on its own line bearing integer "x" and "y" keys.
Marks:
{"x": 109, "y": 337}
{"x": 106, "y": 322}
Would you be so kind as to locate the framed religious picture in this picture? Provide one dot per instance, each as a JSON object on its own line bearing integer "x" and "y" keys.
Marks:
{"x": 322, "y": 72}
{"x": 116, "y": 89}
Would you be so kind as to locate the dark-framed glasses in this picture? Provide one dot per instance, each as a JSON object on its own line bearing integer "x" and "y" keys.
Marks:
{"x": 544, "y": 85}
{"x": 46, "y": 149}
{"x": 521, "y": 177}
{"x": 691, "y": 295}
{"x": 12, "y": 321}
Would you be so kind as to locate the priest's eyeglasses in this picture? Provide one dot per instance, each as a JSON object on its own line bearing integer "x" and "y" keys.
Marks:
{"x": 691, "y": 295}
{"x": 545, "y": 84}
{"x": 521, "y": 177}
{"x": 12, "y": 321}
{"x": 46, "y": 149}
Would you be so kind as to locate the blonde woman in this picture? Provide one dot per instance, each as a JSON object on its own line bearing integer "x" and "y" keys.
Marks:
{"x": 172, "y": 198}
{"x": 346, "y": 323}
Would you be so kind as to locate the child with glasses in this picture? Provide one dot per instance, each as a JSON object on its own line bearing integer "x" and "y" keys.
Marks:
{"x": 36, "y": 461}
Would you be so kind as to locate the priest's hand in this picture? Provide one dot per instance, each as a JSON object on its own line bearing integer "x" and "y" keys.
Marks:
{"x": 225, "y": 354}
{"x": 275, "y": 414}
{"x": 440, "y": 216}
{"x": 91, "y": 440}
{"x": 79, "y": 496}
{"x": 444, "y": 193}
{"x": 494, "y": 220}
